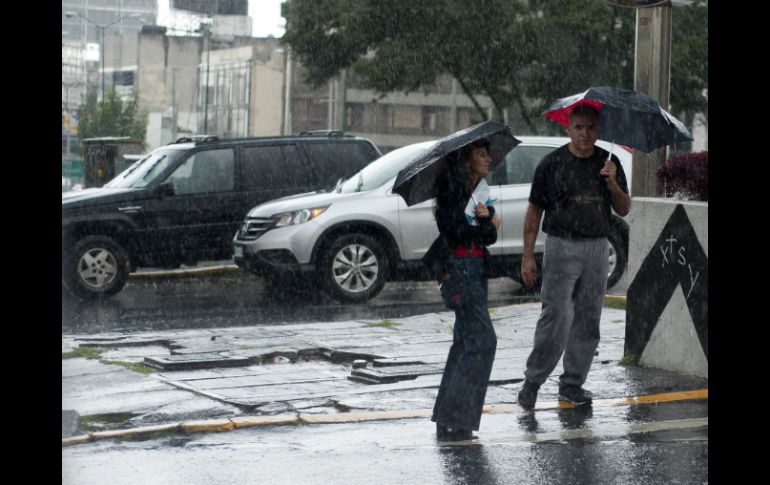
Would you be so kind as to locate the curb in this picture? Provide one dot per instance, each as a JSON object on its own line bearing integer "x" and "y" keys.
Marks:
{"x": 615, "y": 301}
{"x": 231, "y": 424}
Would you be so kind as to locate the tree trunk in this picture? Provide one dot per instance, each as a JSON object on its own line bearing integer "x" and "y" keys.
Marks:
{"x": 522, "y": 109}
{"x": 472, "y": 98}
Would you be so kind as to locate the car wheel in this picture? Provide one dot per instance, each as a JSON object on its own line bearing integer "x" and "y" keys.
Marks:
{"x": 97, "y": 268}
{"x": 617, "y": 259}
{"x": 353, "y": 268}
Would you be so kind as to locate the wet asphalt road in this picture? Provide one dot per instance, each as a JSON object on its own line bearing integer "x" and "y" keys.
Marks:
{"x": 235, "y": 298}
{"x": 662, "y": 444}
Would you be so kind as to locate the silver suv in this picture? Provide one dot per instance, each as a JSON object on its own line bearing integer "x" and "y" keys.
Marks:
{"x": 360, "y": 235}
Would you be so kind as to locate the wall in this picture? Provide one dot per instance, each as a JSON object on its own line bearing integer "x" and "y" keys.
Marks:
{"x": 667, "y": 299}
{"x": 166, "y": 76}
{"x": 268, "y": 91}
{"x": 151, "y": 71}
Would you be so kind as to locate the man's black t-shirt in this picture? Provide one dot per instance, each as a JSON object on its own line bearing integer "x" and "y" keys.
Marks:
{"x": 575, "y": 198}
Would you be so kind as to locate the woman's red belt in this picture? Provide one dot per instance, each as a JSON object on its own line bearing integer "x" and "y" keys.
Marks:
{"x": 462, "y": 250}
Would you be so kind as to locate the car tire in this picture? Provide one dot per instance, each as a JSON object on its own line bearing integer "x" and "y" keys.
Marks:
{"x": 96, "y": 268}
{"x": 617, "y": 258}
{"x": 353, "y": 268}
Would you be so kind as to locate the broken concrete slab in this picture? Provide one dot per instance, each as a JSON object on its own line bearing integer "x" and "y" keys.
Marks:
{"x": 70, "y": 423}
{"x": 196, "y": 361}
{"x": 397, "y": 373}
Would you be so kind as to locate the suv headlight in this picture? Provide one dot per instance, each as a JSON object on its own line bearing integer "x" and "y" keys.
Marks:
{"x": 297, "y": 217}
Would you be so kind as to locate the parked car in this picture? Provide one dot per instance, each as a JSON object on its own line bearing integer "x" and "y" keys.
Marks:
{"x": 356, "y": 238}
{"x": 183, "y": 202}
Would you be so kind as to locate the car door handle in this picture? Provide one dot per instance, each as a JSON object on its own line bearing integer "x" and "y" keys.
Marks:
{"x": 131, "y": 209}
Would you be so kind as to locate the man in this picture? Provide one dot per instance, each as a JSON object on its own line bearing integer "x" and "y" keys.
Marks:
{"x": 576, "y": 186}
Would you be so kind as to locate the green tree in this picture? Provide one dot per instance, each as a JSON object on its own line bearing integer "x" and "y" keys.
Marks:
{"x": 521, "y": 54}
{"x": 578, "y": 44}
{"x": 689, "y": 61}
{"x": 497, "y": 48}
{"x": 110, "y": 116}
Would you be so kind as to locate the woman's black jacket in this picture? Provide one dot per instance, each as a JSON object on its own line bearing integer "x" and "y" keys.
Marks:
{"x": 455, "y": 230}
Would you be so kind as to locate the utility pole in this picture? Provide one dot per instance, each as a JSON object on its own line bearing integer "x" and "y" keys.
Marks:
{"x": 206, "y": 86}
{"x": 330, "y": 105}
{"x": 287, "y": 101}
{"x": 453, "y": 109}
{"x": 173, "y": 104}
{"x": 101, "y": 54}
{"x": 67, "y": 110}
{"x": 289, "y": 73}
{"x": 652, "y": 74}
{"x": 341, "y": 99}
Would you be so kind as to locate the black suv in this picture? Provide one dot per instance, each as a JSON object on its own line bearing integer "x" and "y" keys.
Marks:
{"x": 183, "y": 202}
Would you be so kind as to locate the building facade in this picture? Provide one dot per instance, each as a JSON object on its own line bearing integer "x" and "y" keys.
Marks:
{"x": 86, "y": 26}
{"x": 390, "y": 121}
{"x": 116, "y": 16}
{"x": 231, "y": 89}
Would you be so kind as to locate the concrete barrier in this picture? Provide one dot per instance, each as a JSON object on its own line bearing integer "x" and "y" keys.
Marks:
{"x": 667, "y": 299}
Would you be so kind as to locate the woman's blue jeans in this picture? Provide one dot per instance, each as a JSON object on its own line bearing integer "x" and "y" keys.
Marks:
{"x": 463, "y": 387}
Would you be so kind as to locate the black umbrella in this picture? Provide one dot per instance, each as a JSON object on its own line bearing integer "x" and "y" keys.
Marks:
{"x": 625, "y": 117}
{"x": 415, "y": 182}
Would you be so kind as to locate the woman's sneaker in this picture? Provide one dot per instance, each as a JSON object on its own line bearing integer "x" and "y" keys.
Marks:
{"x": 528, "y": 395}
{"x": 574, "y": 394}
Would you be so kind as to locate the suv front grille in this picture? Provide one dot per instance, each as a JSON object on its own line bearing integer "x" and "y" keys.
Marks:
{"x": 254, "y": 227}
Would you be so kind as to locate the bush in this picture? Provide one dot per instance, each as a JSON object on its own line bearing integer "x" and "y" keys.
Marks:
{"x": 686, "y": 175}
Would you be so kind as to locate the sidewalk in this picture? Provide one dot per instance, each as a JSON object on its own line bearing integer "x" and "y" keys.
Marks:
{"x": 221, "y": 379}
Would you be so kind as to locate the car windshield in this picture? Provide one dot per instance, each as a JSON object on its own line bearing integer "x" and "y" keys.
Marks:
{"x": 383, "y": 169}
{"x": 143, "y": 172}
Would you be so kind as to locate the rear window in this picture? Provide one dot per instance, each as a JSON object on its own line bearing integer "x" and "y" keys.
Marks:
{"x": 272, "y": 167}
{"x": 335, "y": 160}
{"x": 205, "y": 172}
{"x": 519, "y": 165}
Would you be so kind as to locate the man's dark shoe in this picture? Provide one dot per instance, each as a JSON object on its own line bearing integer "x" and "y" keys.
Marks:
{"x": 528, "y": 395}
{"x": 574, "y": 394}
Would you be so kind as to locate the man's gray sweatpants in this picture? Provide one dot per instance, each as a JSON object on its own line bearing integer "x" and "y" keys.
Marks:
{"x": 574, "y": 284}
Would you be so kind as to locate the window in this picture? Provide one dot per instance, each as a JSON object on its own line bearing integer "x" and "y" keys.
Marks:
{"x": 404, "y": 119}
{"x": 272, "y": 167}
{"x": 519, "y": 165}
{"x": 332, "y": 161}
{"x": 205, "y": 172}
{"x": 435, "y": 120}
{"x": 123, "y": 78}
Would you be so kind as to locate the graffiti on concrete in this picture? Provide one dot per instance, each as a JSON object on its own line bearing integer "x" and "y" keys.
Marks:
{"x": 668, "y": 251}
{"x": 676, "y": 259}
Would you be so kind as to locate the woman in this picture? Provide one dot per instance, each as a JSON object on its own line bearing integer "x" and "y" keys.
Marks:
{"x": 460, "y": 399}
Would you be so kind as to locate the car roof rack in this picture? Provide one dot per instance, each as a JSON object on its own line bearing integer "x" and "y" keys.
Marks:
{"x": 321, "y": 133}
{"x": 196, "y": 139}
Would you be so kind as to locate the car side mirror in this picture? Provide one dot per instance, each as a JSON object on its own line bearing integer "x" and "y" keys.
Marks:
{"x": 166, "y": 189}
